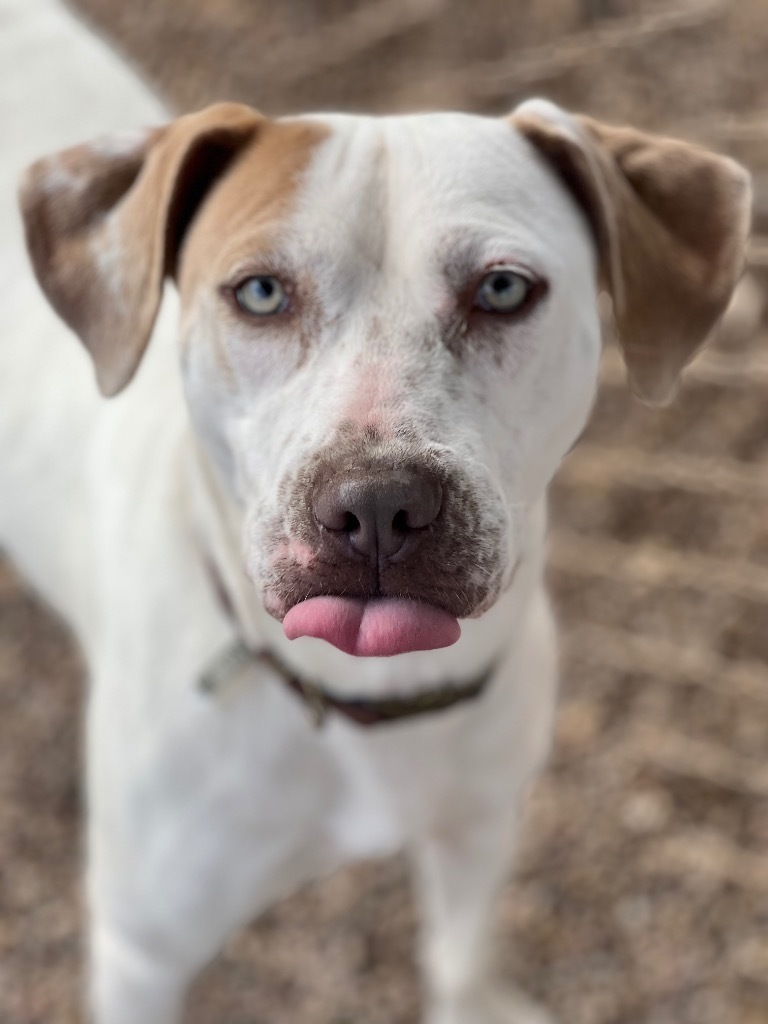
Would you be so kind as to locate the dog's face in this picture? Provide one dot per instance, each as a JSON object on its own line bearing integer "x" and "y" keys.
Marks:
{"x": 390, "y": 339}
{"x": 390, "y": 332}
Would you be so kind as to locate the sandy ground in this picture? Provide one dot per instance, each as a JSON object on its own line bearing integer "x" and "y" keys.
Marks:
{"x": 642, "y": 895}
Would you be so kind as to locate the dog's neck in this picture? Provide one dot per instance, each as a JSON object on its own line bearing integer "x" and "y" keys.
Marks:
{"x": 217, "y": 524}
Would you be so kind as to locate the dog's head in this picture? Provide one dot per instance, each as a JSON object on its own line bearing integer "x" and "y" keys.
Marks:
{"x": 390, "y": 331}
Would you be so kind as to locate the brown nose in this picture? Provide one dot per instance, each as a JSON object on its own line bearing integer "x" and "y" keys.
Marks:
{"x": 378, "y": 515}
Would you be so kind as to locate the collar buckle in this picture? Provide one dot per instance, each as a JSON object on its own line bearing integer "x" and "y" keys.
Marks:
{"x": 316, "y": 701}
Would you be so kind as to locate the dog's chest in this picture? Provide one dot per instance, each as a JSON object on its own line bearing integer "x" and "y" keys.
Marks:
{"x": 323, "y": 795}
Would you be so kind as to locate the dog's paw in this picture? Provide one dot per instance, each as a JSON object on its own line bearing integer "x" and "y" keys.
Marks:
{"x": 490, "y": 1006}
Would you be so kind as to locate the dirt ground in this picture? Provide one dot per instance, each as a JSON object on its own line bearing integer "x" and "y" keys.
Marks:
{"x": 642, "y": 894}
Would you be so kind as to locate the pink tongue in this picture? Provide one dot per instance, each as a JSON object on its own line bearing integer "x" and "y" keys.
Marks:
{"x": 376, "y": 628}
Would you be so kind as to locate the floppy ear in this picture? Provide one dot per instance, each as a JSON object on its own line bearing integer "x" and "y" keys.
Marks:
{"x": 104, "y": 223}
{"x": 671, "y": 222}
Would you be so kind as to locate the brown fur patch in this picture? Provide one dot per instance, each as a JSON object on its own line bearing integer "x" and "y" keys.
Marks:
{"x": 239, "y": 226}
{"x": 240, "y": 219}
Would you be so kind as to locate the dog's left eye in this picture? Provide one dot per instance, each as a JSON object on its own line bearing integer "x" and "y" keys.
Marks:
{"x": 261, "y": 296}
{"x": 503, "y": 291}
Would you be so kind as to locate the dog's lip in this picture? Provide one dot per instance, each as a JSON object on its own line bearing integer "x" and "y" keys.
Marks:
{"x": 373, "y": 627}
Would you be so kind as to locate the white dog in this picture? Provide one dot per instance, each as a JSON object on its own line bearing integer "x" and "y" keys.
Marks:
{"x": 389, "y": 338}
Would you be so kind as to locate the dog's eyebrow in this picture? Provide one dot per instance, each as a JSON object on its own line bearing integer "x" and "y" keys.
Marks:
{"x": 259, "y": 261}
{"x": 461, "y": 260}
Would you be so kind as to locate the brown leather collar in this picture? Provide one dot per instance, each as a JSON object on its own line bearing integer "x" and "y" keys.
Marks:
{"x": 361, "y": 710}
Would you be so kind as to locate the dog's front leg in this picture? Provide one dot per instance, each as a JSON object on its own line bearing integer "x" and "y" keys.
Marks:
{"x": 460, "y": 876}
{"x": 145, "y": 931}
{"x": 128, "y": 985}
{"x": 187, "y": 839}
{"x": 464, "y": 856}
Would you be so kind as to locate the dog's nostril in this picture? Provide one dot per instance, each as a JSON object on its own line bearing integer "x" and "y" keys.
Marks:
{"x": 400, "y": 522}
{"x": 351, "y": 523}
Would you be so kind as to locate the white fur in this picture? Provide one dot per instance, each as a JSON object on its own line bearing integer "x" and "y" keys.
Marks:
{"x": 205, "y": 809}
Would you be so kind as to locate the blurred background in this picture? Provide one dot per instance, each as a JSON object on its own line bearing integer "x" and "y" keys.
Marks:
{"x": 642, "y": 895}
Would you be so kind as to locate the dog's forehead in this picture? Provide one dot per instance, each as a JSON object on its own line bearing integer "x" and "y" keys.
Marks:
{"x": 374, "y": 189}
{"x": 425, "y": 173}
{"x": 434, "y": 155}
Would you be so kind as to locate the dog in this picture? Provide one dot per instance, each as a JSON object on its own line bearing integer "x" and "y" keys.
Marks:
{"x": 303, "y": 547}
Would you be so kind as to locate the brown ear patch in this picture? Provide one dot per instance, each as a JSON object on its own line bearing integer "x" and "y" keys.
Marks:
{"x": 671, "y": 222}
{"x": 104, "y": 223}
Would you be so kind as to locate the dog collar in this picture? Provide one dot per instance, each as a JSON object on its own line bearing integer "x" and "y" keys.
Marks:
{"x": 363, "y": 711}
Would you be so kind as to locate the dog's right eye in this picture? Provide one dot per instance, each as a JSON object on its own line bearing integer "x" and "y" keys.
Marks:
{"x": 261, "y": 296}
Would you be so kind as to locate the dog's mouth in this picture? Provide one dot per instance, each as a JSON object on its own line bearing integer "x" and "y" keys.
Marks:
{"x": 373, "y": 627}
{"x": 382, "y": 556}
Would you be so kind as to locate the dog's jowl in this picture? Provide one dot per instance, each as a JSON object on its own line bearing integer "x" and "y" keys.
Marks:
{"x": 349, "y": 354}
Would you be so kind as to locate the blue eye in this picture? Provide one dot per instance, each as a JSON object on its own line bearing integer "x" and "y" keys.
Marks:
{"x": 503, "y": 291}
{"x": 261, "y": 296}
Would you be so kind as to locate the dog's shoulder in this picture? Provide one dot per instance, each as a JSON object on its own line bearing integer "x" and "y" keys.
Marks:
{"x": 61, "y": 84}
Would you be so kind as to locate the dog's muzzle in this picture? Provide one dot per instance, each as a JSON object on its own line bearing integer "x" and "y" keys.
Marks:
{"x": 382, "y": 549}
